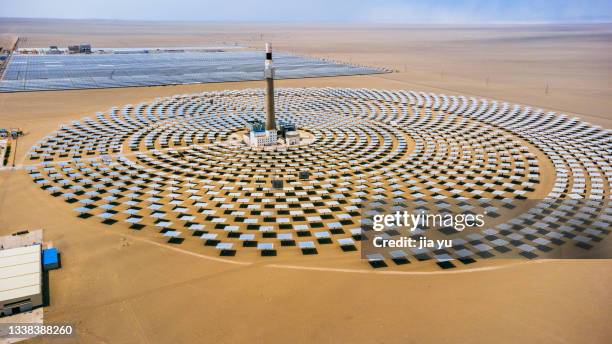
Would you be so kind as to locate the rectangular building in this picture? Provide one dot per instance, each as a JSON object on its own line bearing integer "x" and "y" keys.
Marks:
{"x": 20, "y": 279}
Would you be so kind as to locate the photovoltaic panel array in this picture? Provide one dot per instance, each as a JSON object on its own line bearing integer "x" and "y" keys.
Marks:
{"x": 80, "y": 71}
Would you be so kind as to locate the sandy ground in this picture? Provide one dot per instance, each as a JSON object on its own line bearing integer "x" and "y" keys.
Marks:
{"x": 122, "y": 287}
{"x": 7, "y": 41}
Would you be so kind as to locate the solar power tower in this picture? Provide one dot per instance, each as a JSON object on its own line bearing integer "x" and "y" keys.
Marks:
{"x": 269, "y": 75}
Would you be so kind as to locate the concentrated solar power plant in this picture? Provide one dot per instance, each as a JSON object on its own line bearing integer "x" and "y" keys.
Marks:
{"x": 172, "y": 167}
{"x": 60, "y": 72}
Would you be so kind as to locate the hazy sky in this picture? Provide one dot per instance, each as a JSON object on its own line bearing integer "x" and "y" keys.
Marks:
{"x": 382, "y": 11}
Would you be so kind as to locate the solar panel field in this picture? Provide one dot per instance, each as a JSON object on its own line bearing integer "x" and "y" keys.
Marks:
{"x": 81, "y": 71}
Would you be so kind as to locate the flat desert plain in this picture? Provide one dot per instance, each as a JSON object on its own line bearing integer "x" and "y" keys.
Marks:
{"x": 122, "y": 286}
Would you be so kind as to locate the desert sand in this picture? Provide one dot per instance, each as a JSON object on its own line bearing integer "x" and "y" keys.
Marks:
{"x": 117, "y": 285}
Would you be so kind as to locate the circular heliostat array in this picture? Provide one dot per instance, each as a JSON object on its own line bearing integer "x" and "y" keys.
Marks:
{"x": 174, "y": 165}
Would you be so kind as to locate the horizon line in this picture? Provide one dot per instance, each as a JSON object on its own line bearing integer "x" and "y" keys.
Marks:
{"x": 341, "y": 22}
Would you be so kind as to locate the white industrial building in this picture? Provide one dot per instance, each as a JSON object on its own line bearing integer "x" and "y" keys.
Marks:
{"x": 262, "y": 138}
{"x": 20, "y": 279}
